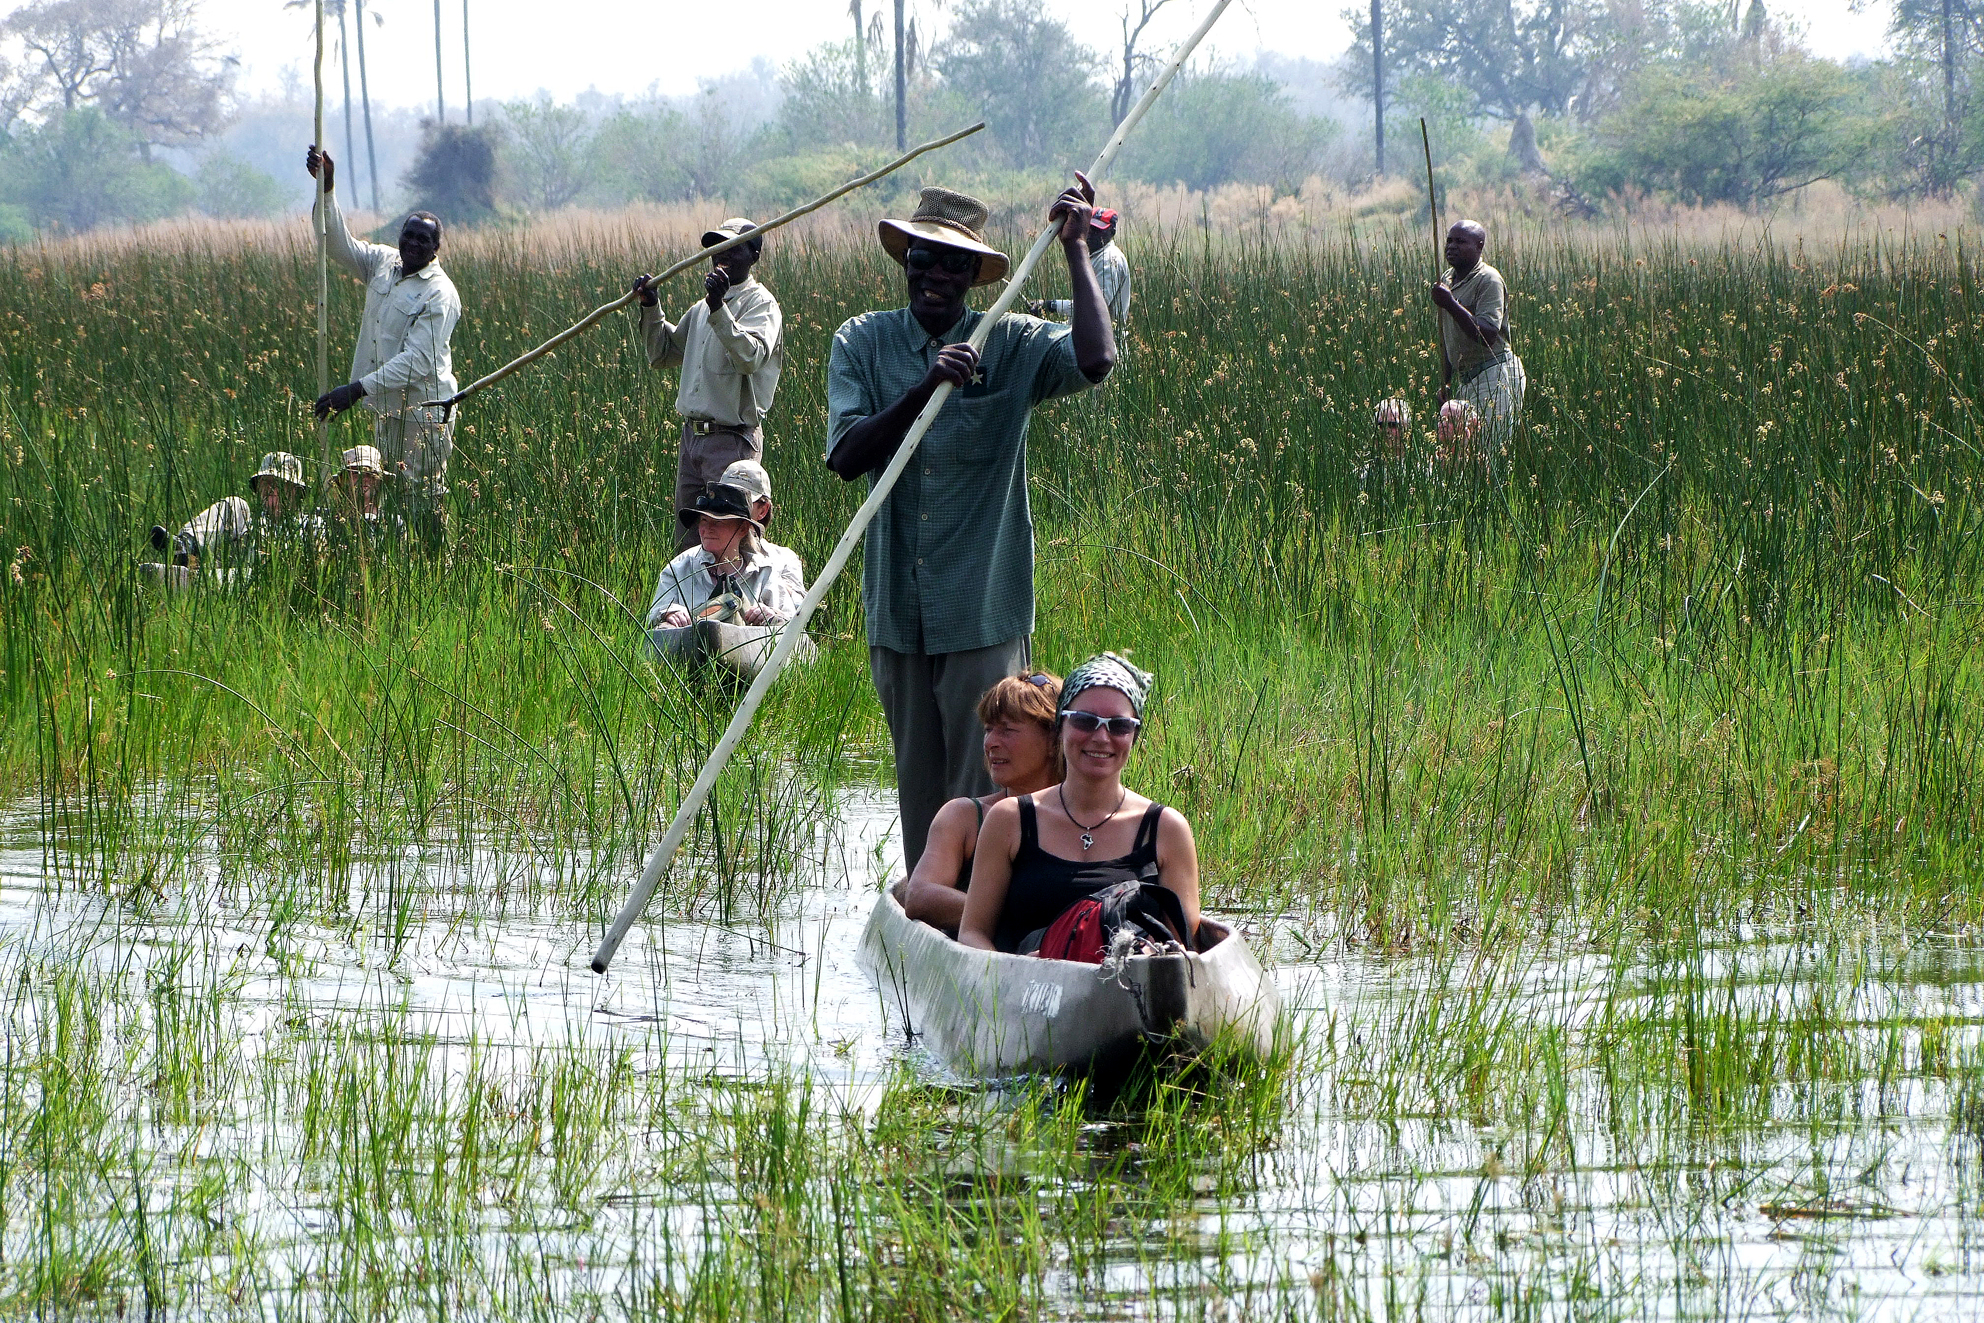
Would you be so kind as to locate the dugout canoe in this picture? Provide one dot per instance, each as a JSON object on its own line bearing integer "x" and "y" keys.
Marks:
{"x": 990, "y": 1013}
{"x": 744, "y": 649}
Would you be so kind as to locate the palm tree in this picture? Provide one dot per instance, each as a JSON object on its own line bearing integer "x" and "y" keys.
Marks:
{"x": 365, "y": 100}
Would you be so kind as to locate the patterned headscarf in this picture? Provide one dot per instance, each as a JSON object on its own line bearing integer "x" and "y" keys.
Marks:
{"x": 1108, "y": 672}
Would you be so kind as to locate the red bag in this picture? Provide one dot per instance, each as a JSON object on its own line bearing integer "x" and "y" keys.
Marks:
{"x": 1076, "y": 935}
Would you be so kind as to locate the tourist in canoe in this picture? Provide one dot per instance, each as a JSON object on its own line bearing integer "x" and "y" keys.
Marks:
{"x": 1023, "y": 757}
{"x": 1457, "y": 438}
{"x": 356, "y": 498}
{"x": 733, "y": 575}
{"x": 230, "y": 529}
{"x": 1039, "y": 854}
{"x": 1112, "y": 273}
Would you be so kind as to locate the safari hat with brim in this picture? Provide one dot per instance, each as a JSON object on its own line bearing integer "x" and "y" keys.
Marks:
{"x": 730, "y": 229}
{"x": 282, "y": 466}
{"x": 719, "y": 500}
{"x": 952, "y": 220}
{"x": 365, "y": 459}
{"x": 749, "y": 477}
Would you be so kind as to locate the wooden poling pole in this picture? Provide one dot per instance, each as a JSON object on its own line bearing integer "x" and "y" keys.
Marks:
{"x": 323, "y": 268}
{"x": 1432, "y": 200}
{"x": 795, "y": 629}
{"x": 592, "y": 318}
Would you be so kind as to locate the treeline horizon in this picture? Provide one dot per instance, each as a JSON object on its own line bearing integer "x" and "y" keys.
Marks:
{"x": 124, "y": 111}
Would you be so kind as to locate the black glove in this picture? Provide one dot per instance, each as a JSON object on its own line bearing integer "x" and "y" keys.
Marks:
{"x": 339, "y": 398}
{"x": 160, "y": 538}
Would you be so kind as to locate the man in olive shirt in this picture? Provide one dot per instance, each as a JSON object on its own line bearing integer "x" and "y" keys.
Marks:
{"x": 730, "y": 345}
{"x": 947, "y": 582}
{"x": 1475, "y": 359}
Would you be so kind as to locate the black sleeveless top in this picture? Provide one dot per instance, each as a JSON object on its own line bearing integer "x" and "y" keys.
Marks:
{"x": 1045, "y": 884}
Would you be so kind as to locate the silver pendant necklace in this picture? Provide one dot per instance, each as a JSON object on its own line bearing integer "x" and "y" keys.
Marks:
{"x": 1088, "y": 840}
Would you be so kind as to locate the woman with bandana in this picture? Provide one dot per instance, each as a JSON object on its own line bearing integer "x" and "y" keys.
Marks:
{"x": 1039, "y": 854}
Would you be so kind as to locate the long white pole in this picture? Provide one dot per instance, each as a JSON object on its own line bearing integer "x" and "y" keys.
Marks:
{"x": 323, "y": 268}
{"x": 788, "y": 640}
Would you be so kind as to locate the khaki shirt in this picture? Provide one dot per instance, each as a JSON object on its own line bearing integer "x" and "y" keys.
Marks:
{"x": 402, "y": 356}
{"x": 771, "y": 577}
{"x": 730, "y": 358}
{"x": 1483, "y": 294}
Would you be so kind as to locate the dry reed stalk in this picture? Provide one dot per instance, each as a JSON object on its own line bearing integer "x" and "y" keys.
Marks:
{"x": 795, "y": 629}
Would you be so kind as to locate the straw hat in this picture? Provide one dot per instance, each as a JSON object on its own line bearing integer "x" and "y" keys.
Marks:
{"x": 365, "y": 459}
{"x": 282, "y": 466}
{"x": 951, "y": 219}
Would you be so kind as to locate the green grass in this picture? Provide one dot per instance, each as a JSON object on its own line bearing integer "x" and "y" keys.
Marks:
{"x": 1625, "y": 809}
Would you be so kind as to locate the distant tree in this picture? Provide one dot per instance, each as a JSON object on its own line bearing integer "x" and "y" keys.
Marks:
{"x": 227, "y": 187}
{"x": 1032, "y": 81}
{"x": 1930, "y": 94}
{"x": 1136, "y": 63}
{"x": 548, "y": 151}
{"x": 144, "y": 63}
{"x": 454, "y": 173}
{"x": 636, "y": 156}
{"x": 1748, "y": 138}
{"x": 1536, "y": 55}
{"x": 828, "y": 101}
{"x": 1216, "y": 128}
{"x": 80, "y": 169}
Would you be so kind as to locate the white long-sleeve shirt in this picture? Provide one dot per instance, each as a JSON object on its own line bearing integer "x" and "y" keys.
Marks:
{"x": 1112, "y": 272}
{"x": 402, "y": 356}
{"x": 730, "y": 358}
{"x": 772, "y": 577}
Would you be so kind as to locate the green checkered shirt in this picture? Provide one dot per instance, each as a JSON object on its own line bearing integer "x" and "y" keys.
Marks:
{"x": 949, "y": 558}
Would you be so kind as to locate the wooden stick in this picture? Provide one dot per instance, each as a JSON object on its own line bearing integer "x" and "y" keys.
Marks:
{"x": 1432, "y": 200}
{"x": 592, "y": 318}
{"x": 323, "y": 268}
{"x": 788, "y": 639}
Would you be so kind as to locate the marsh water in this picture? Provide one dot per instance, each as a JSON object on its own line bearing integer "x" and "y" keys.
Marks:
{"x": 1544, "y": 1130}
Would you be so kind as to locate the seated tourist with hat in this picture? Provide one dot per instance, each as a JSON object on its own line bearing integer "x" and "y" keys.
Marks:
{"x": 733, "y": 574}
{"x": 230, "y": 529}
{"x": 357, "y": 491}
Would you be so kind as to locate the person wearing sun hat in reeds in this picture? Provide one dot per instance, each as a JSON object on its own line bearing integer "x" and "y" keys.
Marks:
{"x": 733, "y": 574}
{"x": 947, "y": 578}
{"x": 231, "y": 530}
{"x": 730, "y": 345}
{"x": 1112, "y": 273}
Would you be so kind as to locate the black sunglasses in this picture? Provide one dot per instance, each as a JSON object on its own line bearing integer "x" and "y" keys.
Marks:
{"x": 1037, "y": 679}
{"x": 1088, "y": 723}
{"x": 954, "y": 260}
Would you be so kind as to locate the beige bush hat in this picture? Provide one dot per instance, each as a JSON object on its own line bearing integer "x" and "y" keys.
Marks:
{"x": 364, "y": 459}
{"x": 951, "y": 219}
{"x": 749, "y": 477}
{"x": 282, "y": 466}
{"x": 730, "y": 229}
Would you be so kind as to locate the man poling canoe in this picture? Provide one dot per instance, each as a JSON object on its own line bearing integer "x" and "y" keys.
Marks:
{"x": 790, "y": 638}
{"x": 947, "y": 578}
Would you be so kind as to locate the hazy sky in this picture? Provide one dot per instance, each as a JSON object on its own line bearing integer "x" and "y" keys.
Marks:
{"x": 616, "y": 46}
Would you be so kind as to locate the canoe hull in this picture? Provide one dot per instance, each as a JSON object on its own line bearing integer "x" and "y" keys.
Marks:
{"x": 742, "y": 649}
{"x": 990, "y": 1013}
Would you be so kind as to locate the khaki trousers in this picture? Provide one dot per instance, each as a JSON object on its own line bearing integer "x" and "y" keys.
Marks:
{"x": 705, "y": 455}
{"x": 1496, "y": 395}
{"x": 931, "y": 702}
{"x": 416, "y": 445}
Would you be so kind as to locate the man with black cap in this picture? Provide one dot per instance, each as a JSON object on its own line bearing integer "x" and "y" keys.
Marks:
{"x": 947, "y": 583}
{"x": 730, "y": 345}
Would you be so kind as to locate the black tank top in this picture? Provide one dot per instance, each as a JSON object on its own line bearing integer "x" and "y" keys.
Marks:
{"x": 1045, "y": 884}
